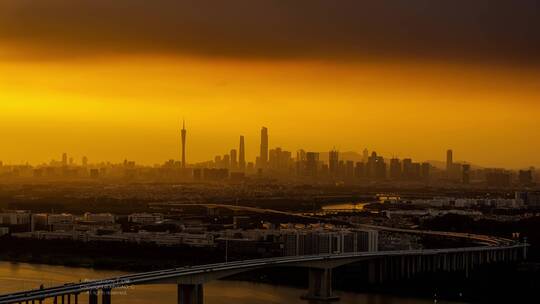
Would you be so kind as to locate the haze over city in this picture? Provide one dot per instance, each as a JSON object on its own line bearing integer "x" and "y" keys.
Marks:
{"x": 90, "y": 86}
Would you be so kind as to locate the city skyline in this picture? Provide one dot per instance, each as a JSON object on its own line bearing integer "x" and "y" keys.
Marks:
{"x": 263, "y": 143}
{"x": 464, "y": 81}
{"x": 100, "y": 130}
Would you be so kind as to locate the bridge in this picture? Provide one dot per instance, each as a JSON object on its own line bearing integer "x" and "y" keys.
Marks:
{"x": 382, "y": 265}
{"x": 190, "y": 280}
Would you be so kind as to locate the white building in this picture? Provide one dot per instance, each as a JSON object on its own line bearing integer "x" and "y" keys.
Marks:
{"x": 145, "y": 218}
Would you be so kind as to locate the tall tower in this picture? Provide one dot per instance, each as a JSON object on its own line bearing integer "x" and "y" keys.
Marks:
{"x": 242, "y": 154}
{"x": 449, "y": 162}
{"x": 264, "y": 147}
{"x": 183, "y": 144}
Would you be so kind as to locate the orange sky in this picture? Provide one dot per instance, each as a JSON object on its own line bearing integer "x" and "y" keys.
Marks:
{"x": 116, "y": 107}
{"x": 411, "y": 78}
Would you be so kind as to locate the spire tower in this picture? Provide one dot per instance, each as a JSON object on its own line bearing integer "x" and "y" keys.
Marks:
{"x": 184, "y": 144}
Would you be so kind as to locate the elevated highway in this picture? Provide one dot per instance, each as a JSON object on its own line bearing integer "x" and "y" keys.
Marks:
{"x": 482, "y": 239}
{"x": 190, "y": 280}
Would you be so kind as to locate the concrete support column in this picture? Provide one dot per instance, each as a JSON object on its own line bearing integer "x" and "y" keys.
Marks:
{"x": 93, "y": 296}
{"x": 382, "y": 270}
{"x": 402, "y": 268}
{"x": 409, "y": 267}
{"x": 190, "y": 294}
{"x": 372, "y": 272}
{"x": 467, "y": 264}
{"x": 444, "y": 262}
{"x": 320, "y": 285}
{"x": 395, "y": 269}
{"x": 106, "y": 296}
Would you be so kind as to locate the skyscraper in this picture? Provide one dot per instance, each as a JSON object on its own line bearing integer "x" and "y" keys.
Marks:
{"x": 183, "y": 144}
{"x": 226, "y": 161}
{"x": 365, "y": 156}
{"x": 263, "y": 158}
{"x": 242, "y": 154}
{"x": 64, "y": 159}
{"x": 466, "y": 174}
{"x": 408, "y": 170}
{"x": 449, "y": 162}
{"x": 333, "y": 162}
{"x": 312, "y": 161}
{"x": 395, "y": 169}
{"x": 234, "y": 159}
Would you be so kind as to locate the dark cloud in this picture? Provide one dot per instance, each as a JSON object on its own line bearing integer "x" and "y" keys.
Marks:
{"x": 485, "y": 30}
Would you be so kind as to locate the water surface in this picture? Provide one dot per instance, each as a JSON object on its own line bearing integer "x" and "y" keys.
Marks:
{"x": 21, "y": 276}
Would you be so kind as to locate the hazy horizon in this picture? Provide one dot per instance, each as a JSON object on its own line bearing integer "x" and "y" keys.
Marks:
{"x": 113, "y": 79}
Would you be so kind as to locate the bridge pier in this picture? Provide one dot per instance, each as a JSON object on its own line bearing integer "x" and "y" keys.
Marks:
{"x": 190, "y": 294}
{"x": 106, "y": 296}
{"x": 93, "y": 296}
{"x": 320, "y": 285}
{"x": 372, "y": 272}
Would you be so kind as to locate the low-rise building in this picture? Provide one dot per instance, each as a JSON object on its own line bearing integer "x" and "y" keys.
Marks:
{"x": 145, "y": 218}
{"x": 100, "y": 217}
{"x": 16, "y": 217}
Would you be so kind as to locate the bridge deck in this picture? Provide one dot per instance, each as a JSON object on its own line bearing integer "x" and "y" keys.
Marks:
{"x": 155, "y": 276}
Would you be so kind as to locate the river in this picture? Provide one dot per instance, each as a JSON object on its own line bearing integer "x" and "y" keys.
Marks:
{"x": 21, "y": 276}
